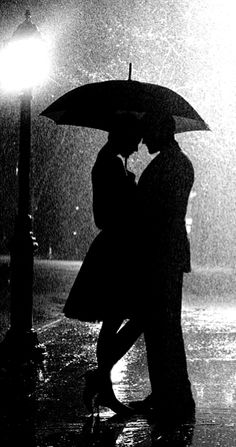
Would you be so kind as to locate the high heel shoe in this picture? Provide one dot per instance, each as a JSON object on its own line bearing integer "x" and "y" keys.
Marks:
{"x": 98, "y": 392}
{"x": 107, "y": 398}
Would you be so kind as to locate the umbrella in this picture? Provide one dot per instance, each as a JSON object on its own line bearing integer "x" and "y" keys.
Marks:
{"x": 94, "y": 105}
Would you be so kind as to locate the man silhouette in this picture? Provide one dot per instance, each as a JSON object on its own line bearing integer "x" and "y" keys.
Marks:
{"x": 163, "y": 191}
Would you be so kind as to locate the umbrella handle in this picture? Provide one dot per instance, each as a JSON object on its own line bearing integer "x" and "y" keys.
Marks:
{"x": 130, "y": 71}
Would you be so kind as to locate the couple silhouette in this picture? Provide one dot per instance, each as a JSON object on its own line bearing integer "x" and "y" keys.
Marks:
{"x": 131, "y": 278}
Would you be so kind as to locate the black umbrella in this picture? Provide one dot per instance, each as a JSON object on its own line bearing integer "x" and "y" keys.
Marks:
{"x": 94, "y": 105}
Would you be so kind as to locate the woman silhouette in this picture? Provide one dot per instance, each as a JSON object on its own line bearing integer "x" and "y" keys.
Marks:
{"x": 103, "y": 290}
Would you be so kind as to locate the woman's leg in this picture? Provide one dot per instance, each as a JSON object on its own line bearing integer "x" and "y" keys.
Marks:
{"x": 105, "y": 343}
{"x": 98, "y": 387}
{"x": 114, "y": 341}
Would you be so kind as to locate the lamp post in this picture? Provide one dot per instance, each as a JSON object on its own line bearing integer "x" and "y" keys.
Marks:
{"x": 21, "y": 342}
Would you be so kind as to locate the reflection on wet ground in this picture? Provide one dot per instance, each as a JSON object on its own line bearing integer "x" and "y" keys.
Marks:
{"x": 44, "y": 407}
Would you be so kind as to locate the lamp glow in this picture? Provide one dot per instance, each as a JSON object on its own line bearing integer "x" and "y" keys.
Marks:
{"x": 24, "y": 63}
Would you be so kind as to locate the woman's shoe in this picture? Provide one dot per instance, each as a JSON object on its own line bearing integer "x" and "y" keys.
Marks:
{"x": 98, "y": 392}
{"x": 106, "y": 398}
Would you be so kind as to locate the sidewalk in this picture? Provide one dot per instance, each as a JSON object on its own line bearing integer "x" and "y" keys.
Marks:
{"x": 45, "y": 408}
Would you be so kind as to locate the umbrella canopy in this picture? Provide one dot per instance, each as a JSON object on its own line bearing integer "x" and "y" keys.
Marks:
{"x": 93, "y": 105}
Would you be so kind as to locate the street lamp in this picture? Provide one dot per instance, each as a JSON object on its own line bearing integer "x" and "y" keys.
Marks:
{"x": 23, "y": 64}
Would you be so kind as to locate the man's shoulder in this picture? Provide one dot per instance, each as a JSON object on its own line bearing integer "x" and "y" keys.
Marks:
{"x": 182, "y": 156}
{"x": 186, "y": 160}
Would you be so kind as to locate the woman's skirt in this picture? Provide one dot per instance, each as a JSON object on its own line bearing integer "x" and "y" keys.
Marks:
{"x": 105, "y": 286}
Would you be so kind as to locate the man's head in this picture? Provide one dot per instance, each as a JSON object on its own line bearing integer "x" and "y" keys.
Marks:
{"x": 125, "y": 133}
{"x": 158, "y": 131}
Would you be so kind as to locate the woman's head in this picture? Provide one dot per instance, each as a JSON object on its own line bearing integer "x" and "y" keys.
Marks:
{"x": 158, "y": 131}
{"x": 125, "y": 133}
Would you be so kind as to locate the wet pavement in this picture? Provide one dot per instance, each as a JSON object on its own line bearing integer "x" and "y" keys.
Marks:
{"x": 43, "y": 406}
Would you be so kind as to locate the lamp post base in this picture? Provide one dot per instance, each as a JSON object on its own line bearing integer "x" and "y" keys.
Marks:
{"x": 21, "y": 347}
{"x": 21, "y": 344}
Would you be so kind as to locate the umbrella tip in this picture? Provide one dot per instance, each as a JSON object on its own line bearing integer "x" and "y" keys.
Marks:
{"x": 130, "y": 71}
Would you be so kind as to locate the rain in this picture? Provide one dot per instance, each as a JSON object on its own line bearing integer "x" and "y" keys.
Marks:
{"x": 185, "y": 46}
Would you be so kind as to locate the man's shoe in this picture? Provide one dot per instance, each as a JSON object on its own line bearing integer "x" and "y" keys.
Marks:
{"x": 174, "y": 411}
{"x": 179, "y": 409}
